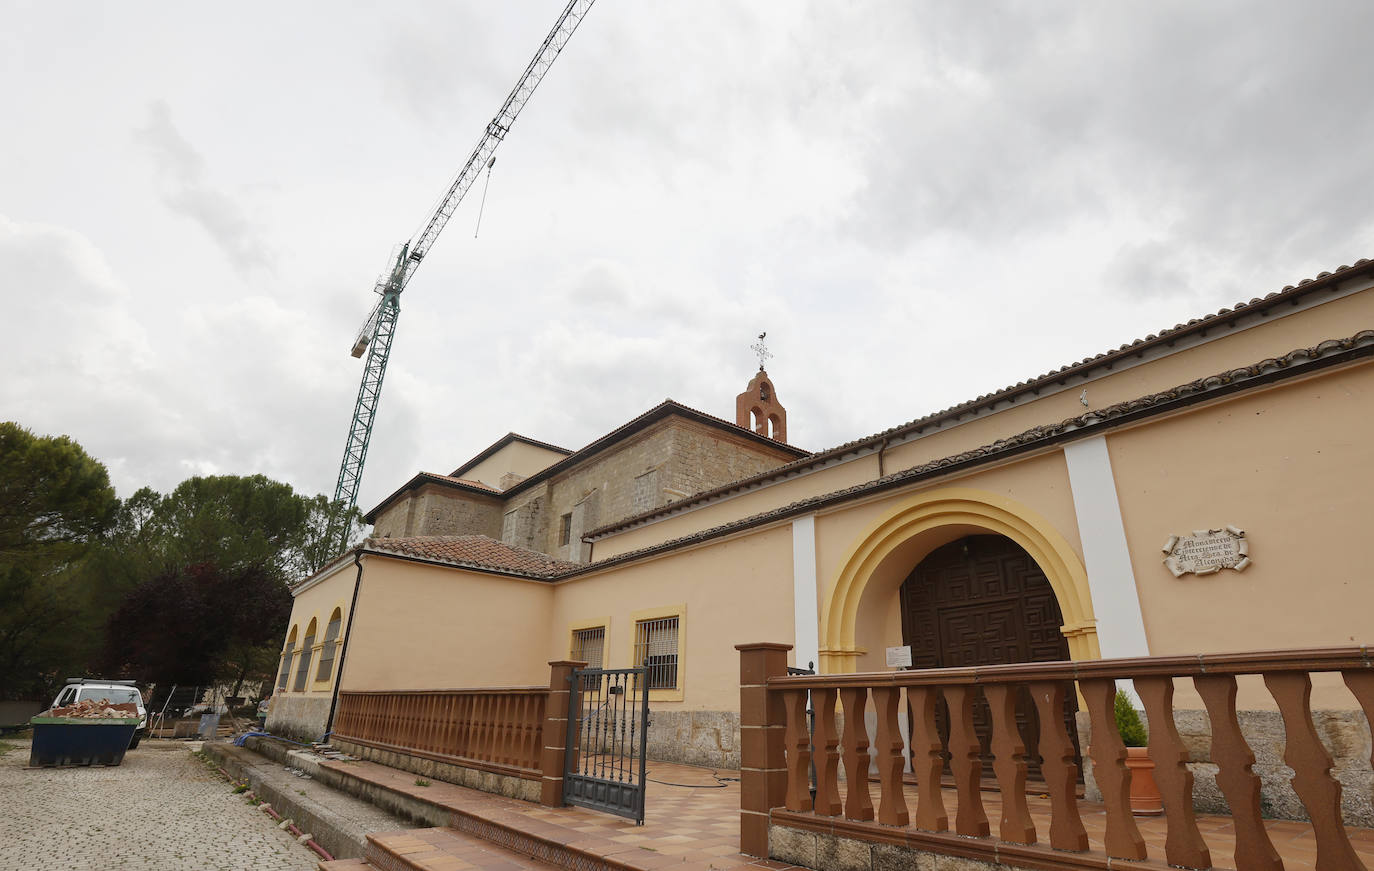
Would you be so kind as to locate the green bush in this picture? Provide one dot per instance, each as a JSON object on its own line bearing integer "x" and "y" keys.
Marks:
{"x": 1128, "y": 723}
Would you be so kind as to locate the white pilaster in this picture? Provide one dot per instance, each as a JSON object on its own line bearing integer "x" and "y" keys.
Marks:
{"x": 806, "y": 646}
{"x": 1120, "y": 626}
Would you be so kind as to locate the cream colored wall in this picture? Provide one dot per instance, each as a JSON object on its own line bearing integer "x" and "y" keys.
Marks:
{"x": 735, "y": 591}
{"x": 430, "y": 627}
{"x": 1332, "y": 319}
{"x": 1039, "y": 483}
{"x": 319, "y": 602}
{"x": 1305, "y": 504}
{"x": 520, "y": 458}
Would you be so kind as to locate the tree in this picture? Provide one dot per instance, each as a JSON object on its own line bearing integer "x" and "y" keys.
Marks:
{"x": 198, "y": 624}
{"x": 320, "y": 540}
{"x": 54, "y": 500}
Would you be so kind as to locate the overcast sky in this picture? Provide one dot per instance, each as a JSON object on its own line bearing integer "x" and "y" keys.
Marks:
{"x": 919, "y": 201}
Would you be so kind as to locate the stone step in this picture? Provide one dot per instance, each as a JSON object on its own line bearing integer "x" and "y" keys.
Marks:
{"x": 448, "y": 849}
{"x": 345, "y": 865}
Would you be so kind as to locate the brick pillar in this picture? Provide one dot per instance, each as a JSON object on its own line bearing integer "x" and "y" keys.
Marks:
{"x": 554, "y": 754}
{"x": 762, "y": 721}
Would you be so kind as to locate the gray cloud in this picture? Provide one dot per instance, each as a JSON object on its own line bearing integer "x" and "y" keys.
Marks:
{"x": 188, "y": 193}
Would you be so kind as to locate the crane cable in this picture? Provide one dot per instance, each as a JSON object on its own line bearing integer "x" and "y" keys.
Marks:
{"x": 482, "y": 207}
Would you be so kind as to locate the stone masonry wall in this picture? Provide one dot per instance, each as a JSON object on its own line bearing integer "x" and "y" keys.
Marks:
{"x": 1344, "y": 733}
{"x": 702, "y": 458}
{"x": 394, "y": 521}
{"x": 707, "y": 738}
{"x": 449, "y": 512}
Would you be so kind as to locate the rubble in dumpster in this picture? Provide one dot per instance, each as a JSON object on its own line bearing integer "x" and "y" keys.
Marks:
{"x": 93, "y": 709}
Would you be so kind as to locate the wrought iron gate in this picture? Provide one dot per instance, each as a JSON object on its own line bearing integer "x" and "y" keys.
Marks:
{"x": 608, "y": 731}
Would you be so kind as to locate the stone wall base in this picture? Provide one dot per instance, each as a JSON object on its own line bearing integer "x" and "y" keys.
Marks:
{"x": 1344, "y": 733}
{"x": 473, "y": 778}
{"x": 838, "y": 853}
{"x": 300, "y": 718}
{"x": 707, "y": 738}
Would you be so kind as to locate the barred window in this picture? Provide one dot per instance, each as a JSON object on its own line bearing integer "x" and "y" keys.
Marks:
{"x": 287, "y": 655}
{"x": 303, "y": 670}
{"x": 331, "y": 637}
{"x": 656, "y": 646}
{"x": 588, "y": 644}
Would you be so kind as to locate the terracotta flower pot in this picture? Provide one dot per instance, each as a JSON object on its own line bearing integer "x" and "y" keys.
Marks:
{"x": 1145, "y": 797}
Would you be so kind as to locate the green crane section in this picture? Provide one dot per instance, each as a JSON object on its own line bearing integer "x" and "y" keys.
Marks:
{"x": 379, "y": 329}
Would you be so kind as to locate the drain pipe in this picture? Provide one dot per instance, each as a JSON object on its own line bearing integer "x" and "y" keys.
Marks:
{"x": 303, "y": 838}
{"x": 343, "y": 653}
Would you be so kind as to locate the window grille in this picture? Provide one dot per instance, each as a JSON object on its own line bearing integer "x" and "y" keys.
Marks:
{"x": 304, "y": 670}
{"x": 286, "y": 658}
{"x": 656, "y": 646}
{"x": 565, "y": 529}
{"x": 588, "y": 644}
{"x": 331, "y": 636}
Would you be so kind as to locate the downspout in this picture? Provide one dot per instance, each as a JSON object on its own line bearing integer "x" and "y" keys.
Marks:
{"x": 343, "y": 653}
{"x": 882, "y": 449}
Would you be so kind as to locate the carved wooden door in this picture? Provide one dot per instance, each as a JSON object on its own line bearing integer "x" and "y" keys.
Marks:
{"x": 982, "y": 600}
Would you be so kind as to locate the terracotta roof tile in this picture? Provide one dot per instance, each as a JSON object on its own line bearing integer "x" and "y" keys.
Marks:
{"x": 474, "y": 551}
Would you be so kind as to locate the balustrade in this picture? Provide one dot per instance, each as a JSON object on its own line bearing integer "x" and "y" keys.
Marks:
{"x": 915, "y": 698}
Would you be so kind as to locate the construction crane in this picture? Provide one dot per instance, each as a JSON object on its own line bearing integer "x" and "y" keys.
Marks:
{"x": 379, "y": 329}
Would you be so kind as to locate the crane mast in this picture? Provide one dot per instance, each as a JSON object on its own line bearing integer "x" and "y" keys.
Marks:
{"x": 379, "y": 329}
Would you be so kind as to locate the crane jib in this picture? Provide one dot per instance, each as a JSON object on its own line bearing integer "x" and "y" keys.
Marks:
{"x": 379, "y": 328}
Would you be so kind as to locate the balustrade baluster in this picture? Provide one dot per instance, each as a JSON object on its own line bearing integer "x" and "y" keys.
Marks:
{"x": 1057, "y": 766}
{"x": 827, "y": 743}
{"x": 1235, "y": 774}
{"x": 1183, "y": 846}
{"x": 966, "y": 762}
{"x": 1311, "y": 764}
{"x": 797, "y": 742}
{"x": 927, "y": 759}
{"x": 1009, "y": 763}
{"x": 1123, "y": 840}
{"x": 857, "y": 803}
{"x": 892, "y": 809}
{"x": 1361, "y": 683}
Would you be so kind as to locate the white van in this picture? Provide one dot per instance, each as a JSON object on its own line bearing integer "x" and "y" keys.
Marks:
{"x": 79, "y": 689}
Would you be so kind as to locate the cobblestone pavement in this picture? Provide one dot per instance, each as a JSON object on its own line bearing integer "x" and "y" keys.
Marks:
{"x": 162, "y": 810}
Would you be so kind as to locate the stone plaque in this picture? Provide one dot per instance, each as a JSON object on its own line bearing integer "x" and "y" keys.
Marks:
{"x": 1207, "y": 551}
{"x": 899, "y": 657}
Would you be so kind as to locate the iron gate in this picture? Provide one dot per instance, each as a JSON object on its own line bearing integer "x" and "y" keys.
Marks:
{"x": 608, "y": 731}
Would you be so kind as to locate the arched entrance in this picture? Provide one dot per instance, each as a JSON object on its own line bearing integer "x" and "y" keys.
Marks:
{"x": 982, "y": 600}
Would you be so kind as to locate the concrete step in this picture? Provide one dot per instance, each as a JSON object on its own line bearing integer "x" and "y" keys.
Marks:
{"x": 346, "y": 865}
{"x": 447, "y": 849}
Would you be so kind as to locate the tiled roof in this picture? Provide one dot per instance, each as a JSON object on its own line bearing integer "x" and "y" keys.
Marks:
{"x": 1226, "y": 316}
{"x": 472, "y": 551}
{"x": 1297, "y": 362}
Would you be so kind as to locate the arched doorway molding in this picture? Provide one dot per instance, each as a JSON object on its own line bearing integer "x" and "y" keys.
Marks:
{"x": 884, "y": 554}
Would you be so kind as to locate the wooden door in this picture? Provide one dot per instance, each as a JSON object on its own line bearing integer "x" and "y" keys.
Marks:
{"x": 982, "y": 600}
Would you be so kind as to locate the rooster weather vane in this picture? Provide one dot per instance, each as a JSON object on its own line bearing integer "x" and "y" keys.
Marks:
{"x": 761, "y": 349}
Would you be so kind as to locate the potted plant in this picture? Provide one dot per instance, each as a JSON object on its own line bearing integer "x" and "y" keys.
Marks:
{"x": 1145, "y": 797}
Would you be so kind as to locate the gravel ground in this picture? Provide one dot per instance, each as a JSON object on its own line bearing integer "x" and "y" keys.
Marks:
{"x": 162, "y": 810}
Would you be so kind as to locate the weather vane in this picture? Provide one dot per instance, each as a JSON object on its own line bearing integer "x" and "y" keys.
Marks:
{"x": 761, "y": 349}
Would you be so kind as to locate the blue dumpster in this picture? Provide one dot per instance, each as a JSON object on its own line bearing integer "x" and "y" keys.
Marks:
{"x": 59, "y": 741}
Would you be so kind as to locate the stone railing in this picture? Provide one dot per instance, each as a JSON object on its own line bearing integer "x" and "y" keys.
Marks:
{"x": 515, "y": 732}
{"x": 778, "y": 745}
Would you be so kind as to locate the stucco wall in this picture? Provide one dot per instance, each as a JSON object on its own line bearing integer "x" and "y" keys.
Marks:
{"x": 520, "y": 458}
{"x": 430, "y": 627}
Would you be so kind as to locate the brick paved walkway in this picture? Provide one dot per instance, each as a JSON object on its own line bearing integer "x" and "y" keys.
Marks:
{"x": 162, "y": 810}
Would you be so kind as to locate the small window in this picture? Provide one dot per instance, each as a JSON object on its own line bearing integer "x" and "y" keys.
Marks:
{"x": 288, "y": 653}
{"x": 303, "y": 670}
{"x": 331, "y": 637}
{"x": 656, "y": 647}
{"x": 588, "y": 645}
{"x": 565, "y": 529}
